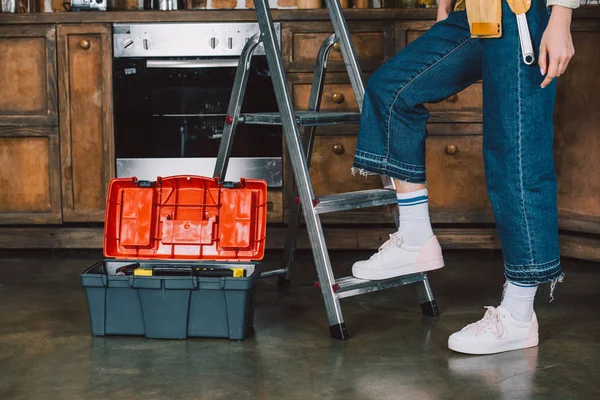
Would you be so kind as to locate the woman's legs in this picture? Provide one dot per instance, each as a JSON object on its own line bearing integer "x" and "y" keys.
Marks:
{"x": 519, "y": 165}
{"x": 391, "y": 139}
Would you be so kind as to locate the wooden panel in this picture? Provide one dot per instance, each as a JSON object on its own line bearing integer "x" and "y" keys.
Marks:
{"x": 456, "y": 179}
{"x": 29, "y": 179}
{"x": 23, "y": 78}
{"x": 577, "y": 137}
{"x": 28, "y": 75}
{"x": 301, "y": 41}
{"x": 87, "y": 155}
{"x": 274, "y": 206}
{"x": 580, "y": 247}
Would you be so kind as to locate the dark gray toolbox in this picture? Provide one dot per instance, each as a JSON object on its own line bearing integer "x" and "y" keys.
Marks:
{"x": 180, "y": 259}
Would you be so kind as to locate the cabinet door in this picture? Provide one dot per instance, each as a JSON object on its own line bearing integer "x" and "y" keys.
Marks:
{"x": 29, "y": 150}
{"x": 86, "y": 125}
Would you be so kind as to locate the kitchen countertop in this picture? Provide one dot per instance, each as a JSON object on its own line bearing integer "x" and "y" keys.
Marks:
{"x": 592, "y": 12}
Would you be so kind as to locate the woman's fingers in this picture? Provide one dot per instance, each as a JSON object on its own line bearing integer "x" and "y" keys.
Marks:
{"x": 552, "y": 71}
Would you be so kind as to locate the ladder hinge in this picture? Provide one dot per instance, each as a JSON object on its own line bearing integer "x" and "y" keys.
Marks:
{"x": 335, "y": 286}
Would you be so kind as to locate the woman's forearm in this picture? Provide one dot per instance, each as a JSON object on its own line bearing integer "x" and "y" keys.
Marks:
{"x": 446, "y": 5}
{"x": 561, "y": 15}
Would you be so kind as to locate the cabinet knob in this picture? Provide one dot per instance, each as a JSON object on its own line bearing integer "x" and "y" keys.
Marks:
{"x": 338, "y": 148}
{"x": 338, "y": 98}
{"x": 452, "y": 99}
{"x": 67, "y": 174}
{"x": 451, "y": 149}
{"x": 336, "y": 47}
{"x": 84, "y": 44}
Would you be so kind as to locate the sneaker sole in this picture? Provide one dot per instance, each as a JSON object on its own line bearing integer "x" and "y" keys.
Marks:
{"x": 480, "y": 349}
{"x": 394, "y": 272}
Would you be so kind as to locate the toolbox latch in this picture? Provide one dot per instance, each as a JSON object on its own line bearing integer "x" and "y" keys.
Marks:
{"x": 141, "y": 183}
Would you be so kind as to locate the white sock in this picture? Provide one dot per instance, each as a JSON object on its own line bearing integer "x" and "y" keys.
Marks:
{"x": 415, "y": 224}
{"x": 518, "y": 299}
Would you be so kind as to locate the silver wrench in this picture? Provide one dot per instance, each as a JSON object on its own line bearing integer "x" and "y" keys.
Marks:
{"x": 525, "y": 37}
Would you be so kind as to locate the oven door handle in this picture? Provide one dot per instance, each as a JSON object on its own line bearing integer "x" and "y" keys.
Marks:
{"x": 192, "y": 63}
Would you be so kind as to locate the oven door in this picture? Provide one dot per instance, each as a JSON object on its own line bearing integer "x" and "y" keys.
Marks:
{"x": 170, "y": 113}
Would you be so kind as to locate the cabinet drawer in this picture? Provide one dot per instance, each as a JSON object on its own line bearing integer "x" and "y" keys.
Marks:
{"x": 336, "y": 97}
{"x": 301, "y": 42}
{"x": 456, "y": 180}
{"x": 465, "y": 106}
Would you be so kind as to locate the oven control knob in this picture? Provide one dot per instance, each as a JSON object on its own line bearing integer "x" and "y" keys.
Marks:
{"x": 230, "y": 43}
{"x": 127, "y": 43}
{"x": 146, "y": 44}
{"x": 213, "y": 42}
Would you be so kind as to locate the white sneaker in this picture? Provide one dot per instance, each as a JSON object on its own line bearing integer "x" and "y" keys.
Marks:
{"x": 496, "y": 332}
{"x": 395, "y": 258}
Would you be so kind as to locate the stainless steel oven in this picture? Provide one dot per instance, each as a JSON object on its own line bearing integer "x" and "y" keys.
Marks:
{"x": 172, "y": 84}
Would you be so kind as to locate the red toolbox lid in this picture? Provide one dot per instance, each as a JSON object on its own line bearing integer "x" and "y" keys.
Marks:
{"x": 186, "y": 217}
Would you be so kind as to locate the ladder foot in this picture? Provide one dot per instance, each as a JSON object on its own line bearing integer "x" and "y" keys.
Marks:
{"x": 283, "y": 283}
{"x": 339, "y": 331}
{"x": 430, "y": 308}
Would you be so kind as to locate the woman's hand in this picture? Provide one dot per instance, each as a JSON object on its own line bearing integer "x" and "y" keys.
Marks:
{"x": 444, "y": 9}
{"x": 556, "y": 48}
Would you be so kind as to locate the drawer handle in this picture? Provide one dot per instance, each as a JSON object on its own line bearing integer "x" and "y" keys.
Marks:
{"x": 84, "y": 44}
{"x": 338, "y": 98}
{"x": 452, "y": 99}
{"x": 338, "y": 149}
{"x": 336, "y": 47}
{"x": 451, "y": 149}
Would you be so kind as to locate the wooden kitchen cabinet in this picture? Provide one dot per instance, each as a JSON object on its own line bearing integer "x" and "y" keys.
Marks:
{"x": 29, "y": 146}
{"x": 44, "y": 178}
{"x": 86, "y": 125}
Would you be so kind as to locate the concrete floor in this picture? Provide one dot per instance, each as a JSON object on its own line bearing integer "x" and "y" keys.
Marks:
{"x": 46, "y": 351}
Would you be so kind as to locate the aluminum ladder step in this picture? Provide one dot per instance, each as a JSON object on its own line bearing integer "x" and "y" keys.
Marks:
{"x": 351, "y": 286}
{"x": 303, "y": 118}
{"x": 354, "y": 200}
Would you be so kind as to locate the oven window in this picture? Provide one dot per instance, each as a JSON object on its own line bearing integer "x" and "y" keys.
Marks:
{"x": 180, "y": 112}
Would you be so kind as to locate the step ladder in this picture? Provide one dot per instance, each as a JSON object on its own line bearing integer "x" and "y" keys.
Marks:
{"x": 300, "y": 149}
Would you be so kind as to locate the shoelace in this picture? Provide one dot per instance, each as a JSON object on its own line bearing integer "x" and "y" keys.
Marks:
{"x": 489, "y": 323}
{"x": 394, "y": 240}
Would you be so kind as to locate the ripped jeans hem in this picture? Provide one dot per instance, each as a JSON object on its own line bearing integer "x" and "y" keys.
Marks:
{"x": 533, "y": 274}
{"x": 402, "y": 173}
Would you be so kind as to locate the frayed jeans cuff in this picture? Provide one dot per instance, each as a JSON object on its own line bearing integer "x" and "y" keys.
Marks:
{"x": 371, "y": 164}
{"x": 537, "y": 274}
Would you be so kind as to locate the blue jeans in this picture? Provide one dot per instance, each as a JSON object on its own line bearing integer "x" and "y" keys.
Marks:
{"x": 517, "y": 129}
